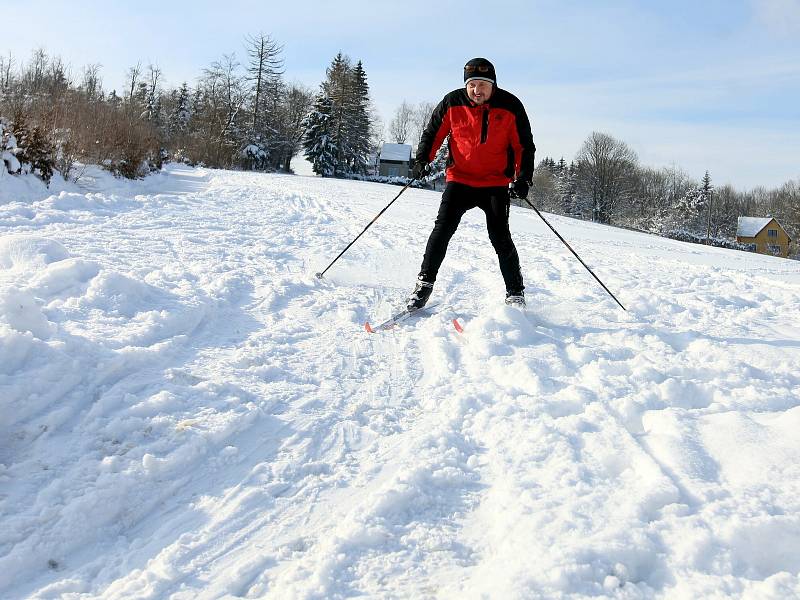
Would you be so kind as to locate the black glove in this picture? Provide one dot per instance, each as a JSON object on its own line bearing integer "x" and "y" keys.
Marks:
{"x": 519, "y": 189}
{"x": 420, "y": 169}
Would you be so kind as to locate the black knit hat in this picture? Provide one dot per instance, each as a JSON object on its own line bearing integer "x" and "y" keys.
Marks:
{"x": 479, "y": 68}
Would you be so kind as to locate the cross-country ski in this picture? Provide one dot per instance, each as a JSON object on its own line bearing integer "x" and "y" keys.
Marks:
{"x": 398, "y": 318}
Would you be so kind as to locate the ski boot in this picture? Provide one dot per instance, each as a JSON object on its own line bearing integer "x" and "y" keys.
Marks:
{"x": 419, "y": 297}
{"x": 516, "y": 299}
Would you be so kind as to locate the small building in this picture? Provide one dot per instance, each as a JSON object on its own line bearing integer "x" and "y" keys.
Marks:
{"x": 395, "y": 160}
{"x": 764, "y": 234}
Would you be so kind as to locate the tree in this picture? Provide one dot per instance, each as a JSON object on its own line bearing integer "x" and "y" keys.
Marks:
{"x": 133, "y": 81}
{"x": 650, "y": 200}
{"x": 179, "y": 122}
{"x": 33, "y": 151}
{"x": 39, "y": 154}
{"x": 706, "y": 192}
{"x": 402, "y": 123}
{"x": 566, "y": 188}
{"x": 549, "y": 164}
{"x": 297, "y": 103}
{"x": 358, "y": 123}
{"x": 420, "y": 119}
{"x": 114, "y": 100}
{"x": 138, "y": 106}
{"x": 222, "y": 96}
{"x": 152, "y": 97}
{"x": 351, "y": 127}
{"x": 6, "y": 68}
{"x": 338, "y": 87}
{"x": 264, "y": 74}
{"x": 553, "y": 188}
{"x": 605, "y": 177}
{"x": 544, "y": 191}
{"x": 8, "y": 150}
{"x": 688, "y": 211}
{"x": 181, "y": 114}
{"x": 788, "y": 197}
{"x": 91, "y": 83}
{"x": 33, "y": 77}
{"x": 319, "y": 142}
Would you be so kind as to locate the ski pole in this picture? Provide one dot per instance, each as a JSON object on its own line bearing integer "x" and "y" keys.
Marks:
{"x": 405, "y": 187}
{"x": 576, "y": 255}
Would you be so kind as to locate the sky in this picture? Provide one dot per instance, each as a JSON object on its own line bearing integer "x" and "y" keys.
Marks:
{"x": 711, "y": 85}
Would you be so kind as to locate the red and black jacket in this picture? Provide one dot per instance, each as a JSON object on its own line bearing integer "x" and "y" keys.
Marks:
{"x": 490, "y": 144}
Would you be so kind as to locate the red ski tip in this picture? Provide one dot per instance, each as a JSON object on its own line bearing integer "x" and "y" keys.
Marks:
{"x": 368, "y": 327}
{"x": 458, "y": 326}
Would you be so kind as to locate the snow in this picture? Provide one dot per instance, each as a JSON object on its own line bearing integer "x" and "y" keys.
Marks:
{"x": 186, "y": 411}
{"x": 8, "y": 152}
{"x": 401, "y": 152}
{"x": 751, "y": 226}
{"x": 302, "y": 166}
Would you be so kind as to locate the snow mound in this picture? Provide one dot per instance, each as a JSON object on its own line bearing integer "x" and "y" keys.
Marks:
{"x": 30, "y": 252}
{"x": 120, "y": 295}
{"x": 119, "y": 310}
{"x": 94, "y": 203}
{"x": 20, "y": 310}
{"x": 25, "y": 188}
{"x": 65, "y": 277}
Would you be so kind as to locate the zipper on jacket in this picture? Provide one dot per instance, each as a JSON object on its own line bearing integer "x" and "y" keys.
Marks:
{"x": 485, "y": 125}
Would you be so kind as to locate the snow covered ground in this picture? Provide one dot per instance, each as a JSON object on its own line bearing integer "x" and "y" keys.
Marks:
{"x": 187, "y": 412}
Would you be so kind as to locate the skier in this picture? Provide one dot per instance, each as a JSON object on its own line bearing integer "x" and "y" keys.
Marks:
{"x": 490, "y": 147}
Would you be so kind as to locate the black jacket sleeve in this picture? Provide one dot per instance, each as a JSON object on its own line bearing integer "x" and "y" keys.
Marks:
{"x": 432, "y": 132}
{"x": 528, "y": 147}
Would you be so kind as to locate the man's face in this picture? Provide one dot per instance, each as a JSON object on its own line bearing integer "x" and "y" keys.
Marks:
{"x": 479, "y": 91}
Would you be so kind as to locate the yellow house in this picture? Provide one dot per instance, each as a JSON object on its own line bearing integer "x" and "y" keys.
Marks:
{"x": 765, "y": 234}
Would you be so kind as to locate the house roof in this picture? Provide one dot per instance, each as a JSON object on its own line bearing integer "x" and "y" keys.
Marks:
{"x": 396, "y": 152}
{"x": 751, "y": 226}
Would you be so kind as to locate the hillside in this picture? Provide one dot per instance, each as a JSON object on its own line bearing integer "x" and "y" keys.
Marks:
{"x": 187, "y": 412}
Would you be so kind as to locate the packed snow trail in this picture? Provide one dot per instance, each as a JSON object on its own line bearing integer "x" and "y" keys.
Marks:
{"x": 187, "y": 412}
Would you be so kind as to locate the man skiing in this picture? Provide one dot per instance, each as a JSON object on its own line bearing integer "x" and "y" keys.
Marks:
{"x": 490, "y": 147}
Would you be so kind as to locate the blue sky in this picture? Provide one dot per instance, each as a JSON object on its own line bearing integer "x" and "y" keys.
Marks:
{"x": 694, "y": 84}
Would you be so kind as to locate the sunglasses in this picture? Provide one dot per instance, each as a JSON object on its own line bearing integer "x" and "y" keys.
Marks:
{"x": 479, "y": 69}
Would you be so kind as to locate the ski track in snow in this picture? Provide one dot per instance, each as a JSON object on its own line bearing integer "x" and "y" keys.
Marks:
{"x": 187, "y": 412}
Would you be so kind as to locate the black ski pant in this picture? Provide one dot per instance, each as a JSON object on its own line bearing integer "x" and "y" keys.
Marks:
{"x": 457, "y": 199}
